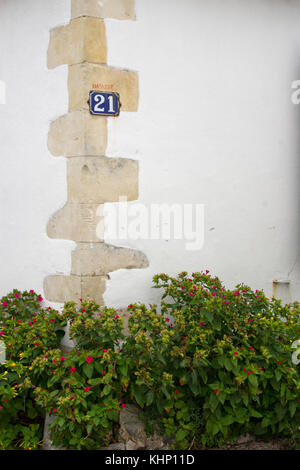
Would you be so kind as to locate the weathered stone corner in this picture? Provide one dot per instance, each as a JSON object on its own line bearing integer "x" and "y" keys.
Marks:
{"x": 77, "y": 134}
{"x": 100, "y": 259}
{"x": 83, "y": 39}
{"x": 85, "y": 77}
{"x": 77, "y": 222}
{"x": 133, "y": 435}
{"x": 92, "y": 178}
{"x": 61, "y": 289}
{"x": 118, "y": 9}
{"x": 98, "y": 180}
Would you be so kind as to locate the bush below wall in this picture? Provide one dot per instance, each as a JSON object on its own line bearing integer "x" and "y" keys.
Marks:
{"x": 214, "y": 365}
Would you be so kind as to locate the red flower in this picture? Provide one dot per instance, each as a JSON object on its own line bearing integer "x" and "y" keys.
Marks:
{"x": 82, "y": 310}
{"x": 130, "y": 306}
{"x": 1, "y": 333}
{"x": 103, "y": 372}
{"x": 54, "y": 411}
{"x": 104, "y": 350}
{"x": 89, "y": 359}
{"x": 17, "y": 296}
{"x": 4, "y": 304}
{"x": 40, "y": 299}
{"x": 123, "y": 405}
{"x": 51, "y": 320}
{"x": 167, "y": 319}
{"x": 176, "y": 391}
{"x": 279, "y": 362}
{"x": 72, "y": 369}
{"x": 87, "y": 389}
{"x": 36, "y": 343}
{"x": 216, "y": 390}
{"x": 117, "y": 316}
{"x": 62, "y": 358}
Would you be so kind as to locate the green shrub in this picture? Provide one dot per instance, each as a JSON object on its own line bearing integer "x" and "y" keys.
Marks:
{"x": 218, "y": 365}
{"x": 211, "y": 364}
{"x": 27, "y": 331}
{"x": 82, "y": 388}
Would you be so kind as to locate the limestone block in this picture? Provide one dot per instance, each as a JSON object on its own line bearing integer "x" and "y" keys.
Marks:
{"x": 132, "y": 432}
{"x": 85, "y": 77}
{"x": 116, "y": 446}
{"x": 132, "y": 429}
{"x": 78, "y": 133}
{"x": 60, "y": 289}
{"x": 78, "y": 222}
{"x": 96, "y": 259}
{"x": 93, "y": 288}
{"x": 47, "y": 442}
{"x": 118, "y": 9}
{"x": 83, "y": 39}
{"x": 96, "y": 180}
{"x": 125, "y": 314}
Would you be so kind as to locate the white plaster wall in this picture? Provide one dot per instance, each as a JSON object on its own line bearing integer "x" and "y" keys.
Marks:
{"x": 216, "y": 126}
{"x": 33, "y": 183}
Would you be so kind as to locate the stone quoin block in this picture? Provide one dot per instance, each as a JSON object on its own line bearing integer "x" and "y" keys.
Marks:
{"x": 85, "y": 77}
{"x": 100, "y": 259}
{"x": 62, "y": 289}
{"x": 78, "y": 133}
{"x": 82, "y": 40}
{"x": 118, "y": 9}
{"x": 95, "y": 180}
{"x": 77, "y": 222}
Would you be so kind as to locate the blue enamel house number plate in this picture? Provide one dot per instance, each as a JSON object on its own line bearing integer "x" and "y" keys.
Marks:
{"x": 104, "y": 103}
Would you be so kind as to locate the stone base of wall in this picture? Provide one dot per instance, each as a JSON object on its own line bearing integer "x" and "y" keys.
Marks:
{"x": 131, "y": 435}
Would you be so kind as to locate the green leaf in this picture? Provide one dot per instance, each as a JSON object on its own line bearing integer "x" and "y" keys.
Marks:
{"x": 150, "y": 397}
{"x": 227, "y": 420}
{"x": 228, "y": 364}
{"x": 292, "y": 407}
{"x": 280, "y": 410}
{"x": 195, "y": 388}
{"x": 180, "y": 435}
{"x": 278, "y": 375}
{"x": 124, "y": 369}
{"x": 255, "y": 414}
{"x": 106, "y": 390}
{"x": 253, "y": 380}
{"x": 139, "y": 396}
{"x": 194, "y": 376}
{"x": 88, "y": 370}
